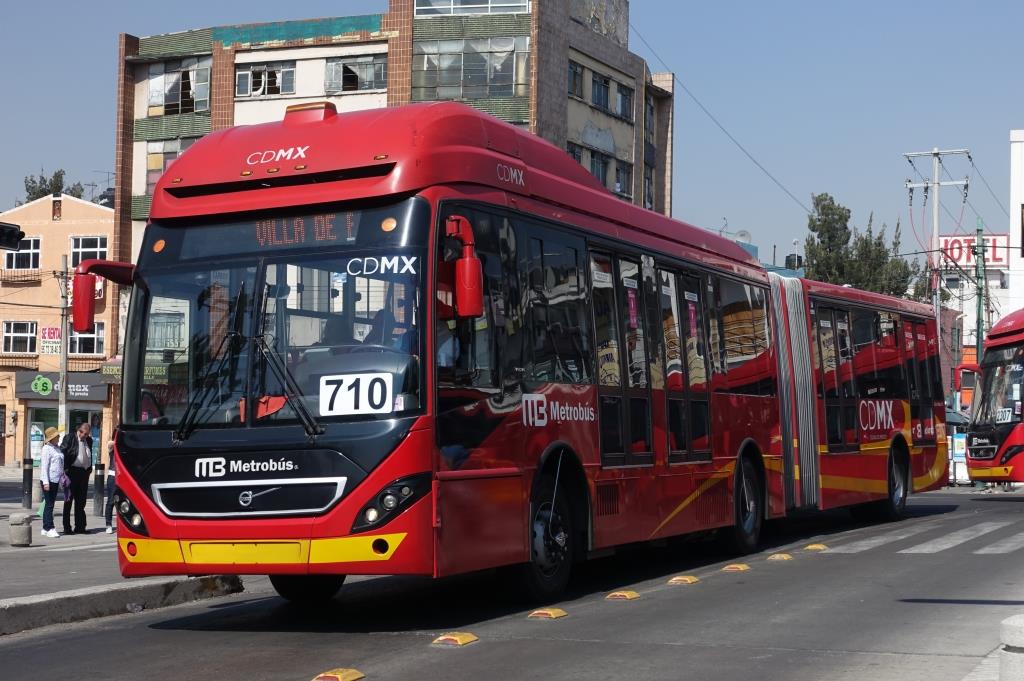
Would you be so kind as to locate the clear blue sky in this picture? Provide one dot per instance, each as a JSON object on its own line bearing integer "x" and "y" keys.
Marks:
{"x": 825, "y": 95}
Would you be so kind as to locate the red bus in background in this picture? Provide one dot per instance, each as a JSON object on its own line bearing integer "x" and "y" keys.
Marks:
{"x": 995, "y": 439}
{"x": 421, "y": 341}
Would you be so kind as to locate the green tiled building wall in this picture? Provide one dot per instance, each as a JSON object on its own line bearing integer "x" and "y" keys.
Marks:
{"x": 186, "y": 43}
{"x": 455, "y": 28}
{"x": 287, "y": 31}
{"x": 172, "y": 127}
{"x": 140, "y": 207}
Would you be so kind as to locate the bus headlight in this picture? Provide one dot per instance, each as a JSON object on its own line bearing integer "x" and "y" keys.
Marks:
{"x": 129, "y": 516}
{"x": 388, "y": 503}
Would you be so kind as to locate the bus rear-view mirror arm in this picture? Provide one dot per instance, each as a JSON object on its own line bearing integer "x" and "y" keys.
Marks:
{"x": 469, "y": 291}
{"x": 960, "y": 369}
{"x": 83, "y": 287}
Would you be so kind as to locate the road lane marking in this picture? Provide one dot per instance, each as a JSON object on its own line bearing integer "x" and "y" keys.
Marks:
{"x": 547, "y": 614}
{"x": 955, "y": 538}
{"x": 622, "y": 596}
{"x": 880, "y": 540}
{"x": 1006, "y": 545}
{"x": 455, "y": 638}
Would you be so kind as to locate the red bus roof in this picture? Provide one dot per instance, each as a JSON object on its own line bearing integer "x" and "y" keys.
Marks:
{"x": 1008, "y": 330}
{"x": 315, "y": 155}
{"x": 868, "y": 298}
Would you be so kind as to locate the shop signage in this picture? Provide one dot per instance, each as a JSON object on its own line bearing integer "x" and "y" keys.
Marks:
{"x": 45, "y": 385}
{"x": 49, "y": 340}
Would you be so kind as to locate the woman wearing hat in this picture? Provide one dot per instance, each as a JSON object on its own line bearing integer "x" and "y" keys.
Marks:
{"x": 51, "y": 469}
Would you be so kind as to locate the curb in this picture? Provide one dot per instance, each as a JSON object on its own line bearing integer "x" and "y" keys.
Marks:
{"x": 30, "y": 612}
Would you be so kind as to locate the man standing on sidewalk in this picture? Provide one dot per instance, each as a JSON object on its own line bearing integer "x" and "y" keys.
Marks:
{"x": 77, "y": 448}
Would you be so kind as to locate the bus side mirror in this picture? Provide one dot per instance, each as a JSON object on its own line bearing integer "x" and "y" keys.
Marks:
{"x": 469, "y": 290}
{"x": 960, "y": 370}
{"x": 83, "y": 288}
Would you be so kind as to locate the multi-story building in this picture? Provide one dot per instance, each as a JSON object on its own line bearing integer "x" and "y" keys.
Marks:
{"x": 30, "y": 321}
{"x": 559, "y": 68}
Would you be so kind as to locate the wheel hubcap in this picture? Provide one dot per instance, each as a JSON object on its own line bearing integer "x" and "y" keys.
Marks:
{"x": 748, "y": 502}
{"x": 898, "y": 489}
{"x": 550, "y": 540}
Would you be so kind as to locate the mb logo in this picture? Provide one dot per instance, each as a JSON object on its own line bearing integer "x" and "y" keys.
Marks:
{"x": 535, "y": 410}
{"x": 210, "y": 468}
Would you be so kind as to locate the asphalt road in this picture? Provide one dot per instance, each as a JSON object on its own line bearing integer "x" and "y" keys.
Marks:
{"x": 919, "y": 599}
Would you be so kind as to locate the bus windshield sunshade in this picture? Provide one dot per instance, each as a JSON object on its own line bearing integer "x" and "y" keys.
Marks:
{"x": 285, "y": 181}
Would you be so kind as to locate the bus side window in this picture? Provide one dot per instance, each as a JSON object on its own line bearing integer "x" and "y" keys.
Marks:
{"x": 887, "y": 358}
{"x": 864, "y": 337}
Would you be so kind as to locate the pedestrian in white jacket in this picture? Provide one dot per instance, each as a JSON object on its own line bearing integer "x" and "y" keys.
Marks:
{"x": 51, "y": 468}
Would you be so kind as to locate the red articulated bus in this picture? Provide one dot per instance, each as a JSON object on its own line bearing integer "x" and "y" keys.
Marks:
{"x": 421, "y": 341}
{"x": 995, "y": 438}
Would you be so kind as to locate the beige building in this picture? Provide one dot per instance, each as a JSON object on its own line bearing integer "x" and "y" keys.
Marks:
{"x": 30, "y": 322}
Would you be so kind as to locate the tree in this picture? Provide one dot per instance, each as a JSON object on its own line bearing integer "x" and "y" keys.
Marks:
{"x": 36, "y": 187}
{"x": 826, "y": 251}
{"x": 840, "y": 255}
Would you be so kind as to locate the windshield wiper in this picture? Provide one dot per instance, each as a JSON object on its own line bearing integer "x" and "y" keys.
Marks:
{"x": 198, "y": 399}
{"x": 291, "y": 390}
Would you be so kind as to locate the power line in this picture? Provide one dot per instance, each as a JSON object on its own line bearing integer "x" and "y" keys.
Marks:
{"x": 987, "y": 186}
{"x": 720, "y": 126}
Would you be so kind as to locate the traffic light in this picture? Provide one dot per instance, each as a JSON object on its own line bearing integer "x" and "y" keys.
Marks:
{"x": 10, "y": 236}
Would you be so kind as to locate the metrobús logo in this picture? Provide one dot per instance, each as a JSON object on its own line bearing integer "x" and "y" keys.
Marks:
{"x": 275, "y": 155}
{"x": 538, "y": 411}
{"x": 218, "y": 466}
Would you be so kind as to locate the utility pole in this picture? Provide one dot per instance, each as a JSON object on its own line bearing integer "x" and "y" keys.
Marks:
{"x": 62, "y": 393}
{"x": 934, "y": 185}
{"x": 981, "y": 289}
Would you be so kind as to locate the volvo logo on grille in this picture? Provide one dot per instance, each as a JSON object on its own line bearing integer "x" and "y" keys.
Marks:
{"x": 246, "y": 497}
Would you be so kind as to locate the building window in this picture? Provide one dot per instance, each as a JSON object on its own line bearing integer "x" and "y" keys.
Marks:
{"x": 648, "y": 187}
{"x": 649, "y": 118}
{"x": 257, "y": 80}
{"x": 20, "y": 337}
{"x": 599, "y": 166}
{"x": 166, "y": 330}
{"x": 624, "y": 178}
{"x": 575, "y": 79}
{"x": 26, "y": 257}
{"x": 599, "y": 91}
{"x": 575, "y": 150}
{"x": 432, "y": 7}
{"x": 351, "y": 74}
{"x": 88, "y": 248}
{"x": 624, "y": 101}
{"x": 86, "y": 343}
{"x": 179, "y": 86}
{"x": 470, "y": 69}
{"x": 160, "y": 156}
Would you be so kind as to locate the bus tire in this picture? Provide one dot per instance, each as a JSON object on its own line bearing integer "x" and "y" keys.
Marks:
{"x": 748, "y": 505}
{"x": 552, "y": 543}
{"x": 894, "y": 506}
{"x": 308, "y": 589}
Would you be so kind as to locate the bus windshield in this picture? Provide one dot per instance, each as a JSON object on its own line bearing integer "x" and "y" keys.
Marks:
{"x": 998, "y": 398}
{"x": 276, "y": 336}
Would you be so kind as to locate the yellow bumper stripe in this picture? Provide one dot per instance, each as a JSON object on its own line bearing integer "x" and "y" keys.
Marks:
{"x": 994, "y": 472}
{"x": 378, "y": 547}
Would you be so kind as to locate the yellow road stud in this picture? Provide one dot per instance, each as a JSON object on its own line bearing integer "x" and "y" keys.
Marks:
{"x": 340, "y": 674}
{"x": 622, "y": 596}
{"x": 547, "y": 614}
{"x": 780, "y": 556}
{"x": 455, "y": 638}
{"x": 736, "y": 567}
{"x": 684, "y": 579}
{"x": 816, "y": 547}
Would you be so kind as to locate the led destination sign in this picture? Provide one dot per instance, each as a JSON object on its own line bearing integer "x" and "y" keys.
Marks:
{"x": 397, "y": 225}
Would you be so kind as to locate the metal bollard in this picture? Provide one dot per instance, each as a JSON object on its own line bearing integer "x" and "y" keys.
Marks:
{"x": 21, "y": 529}
{"x": 98, "y": 489}
{"x": 26, "y": 483}
{"x": 1011, "y": 655}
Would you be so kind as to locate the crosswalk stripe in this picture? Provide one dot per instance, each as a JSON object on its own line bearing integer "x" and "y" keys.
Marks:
{"x": 880, "y": 540}
{"x": 954, "y": 538}
{"x": 1006, "y": 545}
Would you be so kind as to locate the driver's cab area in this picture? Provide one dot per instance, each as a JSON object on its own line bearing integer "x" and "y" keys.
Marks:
{"x": 346, "y": 330}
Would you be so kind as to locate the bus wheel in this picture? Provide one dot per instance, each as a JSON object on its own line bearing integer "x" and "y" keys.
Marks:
{"x": 552, "y": 545}
{"x": 307, "y": 588}
{"x": 895, "y": 504}
{"x": 748, "y": 501}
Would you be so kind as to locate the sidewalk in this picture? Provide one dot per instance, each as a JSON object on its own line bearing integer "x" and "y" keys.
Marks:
{"x": 76, "y": 577}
